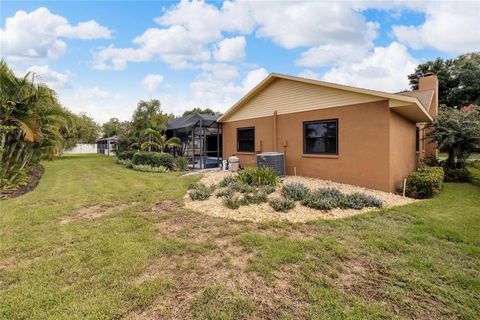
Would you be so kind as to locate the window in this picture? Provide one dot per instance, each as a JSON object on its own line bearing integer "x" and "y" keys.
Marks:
{"x": 320, "y": 137}
{"x": 246, "y": 139}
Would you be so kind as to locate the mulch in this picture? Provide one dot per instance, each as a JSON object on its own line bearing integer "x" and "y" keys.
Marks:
{"x": 34, "y": 178}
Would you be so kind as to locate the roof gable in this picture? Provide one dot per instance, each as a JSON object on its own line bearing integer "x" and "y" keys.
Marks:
{"x": 287, "y": 94}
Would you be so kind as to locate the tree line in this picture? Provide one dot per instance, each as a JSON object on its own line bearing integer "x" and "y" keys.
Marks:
{"x": 34, "y": 126}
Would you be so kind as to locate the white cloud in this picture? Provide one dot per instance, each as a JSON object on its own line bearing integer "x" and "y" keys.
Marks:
{"x": 99, "y": 103}
{"x": 449, "y": 27}
{"x": 301, "y": 24}
{"x": 220, "y": 94}
{"x": 386, "y": 69}
{"x": 309, "y": 74}
{"x": 330, "y": 55}
{"x": 190, "y": 28}
{"x": 55, "y": 80}
{"x": 39, "y": 34}
{"x": 230, "y": 49}
{"x": 151, "y": 82}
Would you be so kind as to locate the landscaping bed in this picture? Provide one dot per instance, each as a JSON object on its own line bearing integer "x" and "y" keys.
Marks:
{"x": 214, "y": 205}
{"x": 33, "y": 179}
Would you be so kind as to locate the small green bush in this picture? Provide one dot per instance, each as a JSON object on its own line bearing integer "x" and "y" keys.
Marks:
{"x": 224, "y": 192}
{"x": 147, "y": 168}
{"x": 323, "y": 199}
{"x": 126, "y": 155}
{"x": 154, "y": 159}
{"x": 358, "y": 200}
{"x": 258, "y": 176}
{"x": 431, "y": 161}
{"x": 180, "y": 164}
{"x": 282, "y": 204}
{"x": 256, "y": 197}
{"x": 295, "y": 191}
{"x": 227, "y": 181}
{"x": 458, "y": 175}
{"x": 199, "y": 191}
{"x": 425, "y": 182}
{"x": 246, "y": 188}
{"x": 232, "y": 202}
{"x": 268, "y": 189}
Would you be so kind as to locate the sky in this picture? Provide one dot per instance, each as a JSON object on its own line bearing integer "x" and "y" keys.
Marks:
{"x": 102, "y": 57}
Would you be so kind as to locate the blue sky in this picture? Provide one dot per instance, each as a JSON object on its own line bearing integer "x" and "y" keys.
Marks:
{"x": 103, "y": 56}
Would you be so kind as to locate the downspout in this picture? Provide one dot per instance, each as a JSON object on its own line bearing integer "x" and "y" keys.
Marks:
{"x": 275, "y": 130}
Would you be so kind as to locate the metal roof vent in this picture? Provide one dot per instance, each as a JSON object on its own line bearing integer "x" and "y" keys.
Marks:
{"x": 273, "y": 160}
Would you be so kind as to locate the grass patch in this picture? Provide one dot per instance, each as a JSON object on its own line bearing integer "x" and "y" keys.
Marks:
{"x": 143, "y": 260}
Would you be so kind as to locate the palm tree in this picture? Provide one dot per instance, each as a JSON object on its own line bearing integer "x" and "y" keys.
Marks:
{"x": 158, "y": 141}
{"x": 30, "y": 122}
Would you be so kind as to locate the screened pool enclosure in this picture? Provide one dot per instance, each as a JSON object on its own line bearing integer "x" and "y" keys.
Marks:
{"x": 201, "y": 137}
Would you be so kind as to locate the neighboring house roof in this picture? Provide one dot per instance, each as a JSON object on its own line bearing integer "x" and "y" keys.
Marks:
{"x": 424, "y": 96}
{"x": 410, "y": 107}
{"x": 190, "y": 121}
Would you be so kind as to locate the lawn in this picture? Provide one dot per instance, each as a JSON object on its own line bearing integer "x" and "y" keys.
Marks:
{"x": 97, "y": 241}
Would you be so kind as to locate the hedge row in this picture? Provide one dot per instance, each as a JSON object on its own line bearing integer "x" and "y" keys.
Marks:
{"x": 154, "y": 159}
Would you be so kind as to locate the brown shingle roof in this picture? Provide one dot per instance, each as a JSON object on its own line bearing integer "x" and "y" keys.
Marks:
{"x": 424, "y": 96}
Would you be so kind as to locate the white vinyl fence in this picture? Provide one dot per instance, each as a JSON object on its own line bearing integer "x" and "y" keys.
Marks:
{"x": 83, "y": 148}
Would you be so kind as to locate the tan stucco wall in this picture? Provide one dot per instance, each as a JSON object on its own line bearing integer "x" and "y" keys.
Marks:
{"x": 364, "y": 144}
{"x": 403, "y": 156}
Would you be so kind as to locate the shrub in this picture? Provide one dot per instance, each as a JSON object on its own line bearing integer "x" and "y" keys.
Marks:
{"x": 232, "y": 202}
{"x": 147, "y": 168}
{"x": 154, "y": 159}
{"x": 180, "y": 164}
{"x": 199, "y": 191}
{"x": 425, "y": 182}
{"x": 245, "y": 188}
{"x": 256, "y": 197}
{"x": 258, "y": 176}
{"x": 458, "y": 175}
{"x": 126, "y": 155}
{"x": 268, "y": 189}
{"x": 431, "y": 161}
{"x": 227, "y": 181}
{"x": 282, "y": 204}
{"x": 224, "y": 192}
{"x": 127, "y": 163}
{"x": 295, "y": 191}
{"x": 358, "y": 200}
{"x": 323, "y": 199}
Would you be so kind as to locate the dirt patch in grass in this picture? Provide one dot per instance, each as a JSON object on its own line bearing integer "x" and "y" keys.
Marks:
{"x": 368, "y": 280}
{"x": 211, "y": 262}
{"x": 33, "y": 179}
{"x": 93, "y": 212}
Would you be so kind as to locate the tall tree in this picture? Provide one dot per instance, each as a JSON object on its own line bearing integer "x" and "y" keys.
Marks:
{"x": 458, "y": 79}
{"x": 201, "y": 111}
{"x": 111, "y": 128}
{"x": 457, "y": 133}
{"x": 31, "y": 125}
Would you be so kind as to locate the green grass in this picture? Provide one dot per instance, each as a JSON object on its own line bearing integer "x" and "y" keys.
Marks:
{"x": 417, "y": 261}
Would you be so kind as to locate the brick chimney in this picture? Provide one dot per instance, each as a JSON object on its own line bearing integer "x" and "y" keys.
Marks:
{"x": 429, "y": 81}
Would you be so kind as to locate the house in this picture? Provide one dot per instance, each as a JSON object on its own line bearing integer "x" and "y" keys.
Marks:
{"x": 331, "y": 131}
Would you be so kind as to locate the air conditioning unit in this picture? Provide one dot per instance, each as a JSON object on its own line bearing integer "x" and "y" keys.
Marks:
{"x": 273, "y": 160}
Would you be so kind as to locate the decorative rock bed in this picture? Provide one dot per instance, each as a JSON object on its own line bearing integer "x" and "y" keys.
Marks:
{"x": 263, "y": 212}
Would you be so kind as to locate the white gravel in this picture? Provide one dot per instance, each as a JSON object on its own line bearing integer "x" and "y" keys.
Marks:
{"x": 263, "y": 212}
